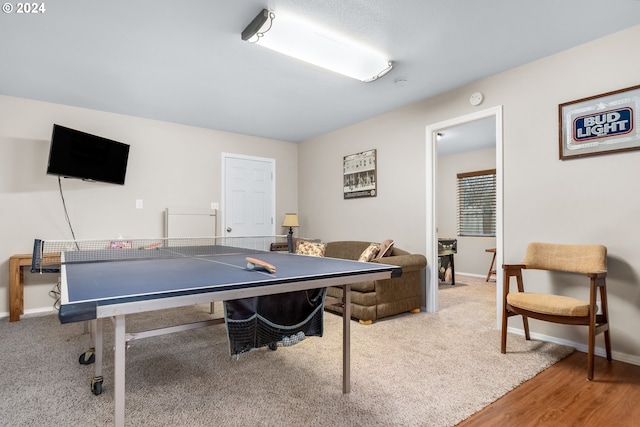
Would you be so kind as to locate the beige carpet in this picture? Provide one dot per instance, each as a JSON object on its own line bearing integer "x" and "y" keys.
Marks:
{"x": 410, "y": 370}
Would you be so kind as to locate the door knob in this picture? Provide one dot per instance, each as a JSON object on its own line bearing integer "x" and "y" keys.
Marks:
{"x": 228, "y": 229}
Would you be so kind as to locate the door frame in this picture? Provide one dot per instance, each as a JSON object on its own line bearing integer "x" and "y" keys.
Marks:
{"x": 431, "y": 304}
{"x": 223, "y": 192}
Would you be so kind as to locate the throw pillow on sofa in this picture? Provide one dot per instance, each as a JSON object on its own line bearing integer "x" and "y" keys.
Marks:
{"x": 385, "y": 248}
{"x": 310, "y": 248}
{"x": 369, "y": 253}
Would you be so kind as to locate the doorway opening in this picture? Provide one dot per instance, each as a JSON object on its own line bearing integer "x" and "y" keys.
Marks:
{"x": 432, "y": 198}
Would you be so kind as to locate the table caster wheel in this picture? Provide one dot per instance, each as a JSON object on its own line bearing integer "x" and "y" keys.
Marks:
{"x": 88, "y": 357}
{"x": 96, "y": 385}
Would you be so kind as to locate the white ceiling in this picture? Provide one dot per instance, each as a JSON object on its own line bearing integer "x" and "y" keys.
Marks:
{"x": 185, "y": 62}
{"x": 471, "y": 136}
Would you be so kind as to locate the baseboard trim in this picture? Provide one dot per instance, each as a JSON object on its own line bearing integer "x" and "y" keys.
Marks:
{"x": 481, "y": 276}
{"x": 600, "y": 351}
{"x": 31, "y": 312}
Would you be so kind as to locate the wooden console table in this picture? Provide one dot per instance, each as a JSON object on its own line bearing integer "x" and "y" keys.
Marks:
{"x": 16, "y": 283}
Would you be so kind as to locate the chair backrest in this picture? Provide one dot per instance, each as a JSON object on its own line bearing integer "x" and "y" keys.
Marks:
{"x": 572, "y": 258}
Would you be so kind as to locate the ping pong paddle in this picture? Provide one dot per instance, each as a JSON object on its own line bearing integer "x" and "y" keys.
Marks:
{"x": 253, "y": 263}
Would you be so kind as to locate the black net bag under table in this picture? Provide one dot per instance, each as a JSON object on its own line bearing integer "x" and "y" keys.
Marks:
{"x": 272, "y": 320}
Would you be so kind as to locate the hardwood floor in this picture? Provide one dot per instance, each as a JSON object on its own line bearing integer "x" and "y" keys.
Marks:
{"x": 561, "y": 396}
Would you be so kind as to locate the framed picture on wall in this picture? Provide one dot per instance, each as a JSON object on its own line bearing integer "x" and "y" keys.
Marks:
{"x": 600, "y": 124}
{"x": 359, "y": 175}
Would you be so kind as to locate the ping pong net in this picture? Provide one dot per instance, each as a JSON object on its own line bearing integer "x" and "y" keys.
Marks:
{"x": 47, "y": 253}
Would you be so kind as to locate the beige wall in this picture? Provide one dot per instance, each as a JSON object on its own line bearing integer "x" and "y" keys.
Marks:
{"x": 397, "y": 212}
{"x": 582, "y": 201}
{"x": 471, "y": 257}
{"x": 578, "y": 201}
{"x": 170, "y": 165}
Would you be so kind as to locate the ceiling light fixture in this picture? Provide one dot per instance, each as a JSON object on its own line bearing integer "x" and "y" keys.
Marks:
{"x": 308, "y": 42}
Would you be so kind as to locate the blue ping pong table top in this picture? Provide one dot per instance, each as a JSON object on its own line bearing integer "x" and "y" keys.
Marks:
{"x": 92, "y": 284}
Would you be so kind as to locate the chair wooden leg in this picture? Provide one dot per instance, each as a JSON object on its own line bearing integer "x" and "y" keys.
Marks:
{"x": 506, "y": 282}
{"x": 605, "y": 313}
{"x": 505, "y": 317}
{"x": 590, "y": 354}
{"x": 525, "y": 322}
{"x": 592, "y": 337}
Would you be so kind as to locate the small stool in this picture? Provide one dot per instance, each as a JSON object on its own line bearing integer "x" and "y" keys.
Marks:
{"x": 493, "y": 260}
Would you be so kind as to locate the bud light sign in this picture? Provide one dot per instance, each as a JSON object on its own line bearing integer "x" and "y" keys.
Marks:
{"x": 601, "y": 125}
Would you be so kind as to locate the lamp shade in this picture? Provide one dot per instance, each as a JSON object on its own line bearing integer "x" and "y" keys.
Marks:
{"x": 290, "y": 220}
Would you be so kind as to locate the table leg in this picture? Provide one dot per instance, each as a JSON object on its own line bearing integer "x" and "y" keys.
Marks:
{"x": 453, "y": 271}
{"x": 346, "y": 340}
{"x": 96, "y": 331}
{"x": 491, "y": 270}
{"x": 16, "y": 298}
{"x": 95, "y": 327}
{"x": 119, "y": 373}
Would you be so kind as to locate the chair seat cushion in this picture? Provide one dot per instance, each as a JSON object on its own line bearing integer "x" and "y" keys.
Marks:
{"x": 555, "y": 305}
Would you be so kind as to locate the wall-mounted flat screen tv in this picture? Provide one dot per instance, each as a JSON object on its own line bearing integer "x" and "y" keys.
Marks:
{"x": 76, "y": 154}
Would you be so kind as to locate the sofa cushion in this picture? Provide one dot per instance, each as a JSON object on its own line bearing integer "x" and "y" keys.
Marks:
{"x": 346, "y": 249}
{"x": 385, "y": 248}
{"x": 555, "y": 305}
{"x": 369, "y": 253}
{"x": 310, "y": 248}
{"x": 357, "y": 297}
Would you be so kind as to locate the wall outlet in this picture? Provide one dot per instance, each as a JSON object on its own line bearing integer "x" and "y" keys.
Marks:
{"x": 139, "y": 204}
{"x": 215, "y": 205}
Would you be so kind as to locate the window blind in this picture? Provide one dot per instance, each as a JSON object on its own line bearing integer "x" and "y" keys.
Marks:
{"x": 477, "y": 203}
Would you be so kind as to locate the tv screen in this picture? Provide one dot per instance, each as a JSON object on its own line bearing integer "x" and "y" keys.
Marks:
{"x": 76, "y": 154}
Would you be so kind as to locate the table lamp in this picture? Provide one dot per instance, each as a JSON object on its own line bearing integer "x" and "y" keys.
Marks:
{"x": 290, "y": 220}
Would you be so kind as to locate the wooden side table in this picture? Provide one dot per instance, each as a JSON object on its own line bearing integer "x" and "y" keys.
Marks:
{"x": 493, "y": 260}
{"x": 16, "y": 285}
{"x": 16, "y": 281}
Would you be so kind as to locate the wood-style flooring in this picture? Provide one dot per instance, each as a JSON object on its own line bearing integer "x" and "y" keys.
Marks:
{"x": 561, "y": 396}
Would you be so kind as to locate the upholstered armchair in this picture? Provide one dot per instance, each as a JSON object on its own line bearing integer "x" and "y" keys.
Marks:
{"x": 589, "y": 260}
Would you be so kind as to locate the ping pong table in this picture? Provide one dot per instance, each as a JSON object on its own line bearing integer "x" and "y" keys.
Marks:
{"x": 96, "y": 287}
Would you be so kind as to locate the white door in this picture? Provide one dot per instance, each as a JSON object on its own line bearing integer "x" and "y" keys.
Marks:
{"x": 249, "y": 194}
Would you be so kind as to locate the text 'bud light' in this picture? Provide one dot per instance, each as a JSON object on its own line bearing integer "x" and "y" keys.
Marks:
{"x": 602, "y": 125}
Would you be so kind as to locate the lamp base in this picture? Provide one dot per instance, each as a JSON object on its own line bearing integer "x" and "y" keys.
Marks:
{"x": 290, "y": 240}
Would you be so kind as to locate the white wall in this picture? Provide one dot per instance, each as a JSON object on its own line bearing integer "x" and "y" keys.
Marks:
{"x": 170, "y": 165}
{"x": 545, "y": 199}
{"x": 471, "y": 257}
{"x": 397, "y": 212}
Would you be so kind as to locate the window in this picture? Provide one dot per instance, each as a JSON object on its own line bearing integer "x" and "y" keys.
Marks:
{"x": 477, "y": 203}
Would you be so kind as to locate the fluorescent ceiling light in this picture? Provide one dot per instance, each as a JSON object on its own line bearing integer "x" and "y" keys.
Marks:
{"x": 308, "y": 42}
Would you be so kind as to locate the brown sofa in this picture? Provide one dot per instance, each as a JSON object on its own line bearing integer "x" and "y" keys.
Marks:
{"x": 381, "y": 298}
